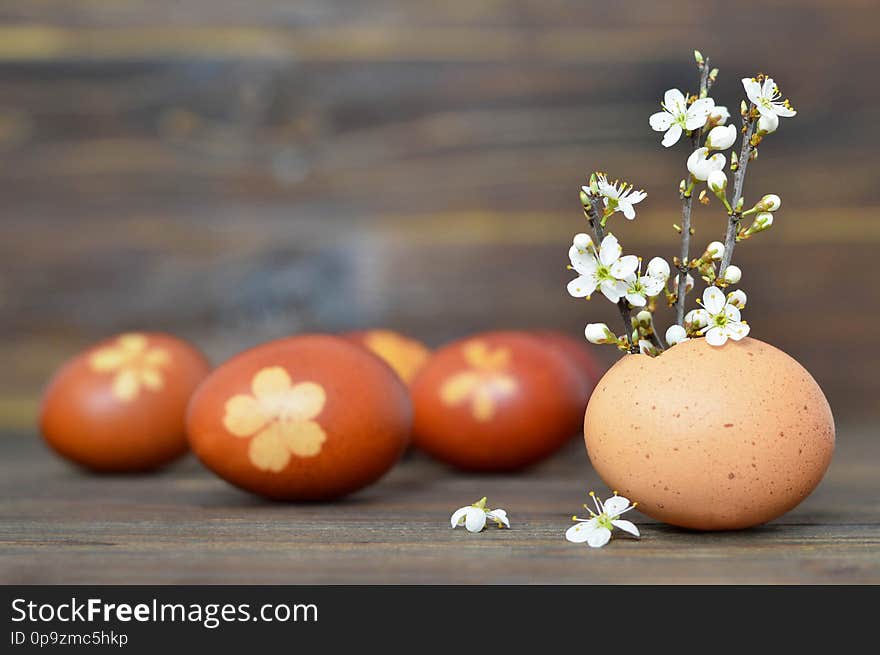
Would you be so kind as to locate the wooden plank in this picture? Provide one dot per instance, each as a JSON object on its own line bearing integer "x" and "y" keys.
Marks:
{"x": 183, "y": 525}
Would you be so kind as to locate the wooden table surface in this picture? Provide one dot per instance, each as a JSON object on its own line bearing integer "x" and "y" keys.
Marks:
{"x": 183, "y": 525}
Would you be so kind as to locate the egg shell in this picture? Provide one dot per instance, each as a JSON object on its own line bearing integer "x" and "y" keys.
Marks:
{"x": 710, "y": 438}
{"x": 496, "y": 401}
{"x": 579, "y": 354}
{"x": 121, "y": 404}
{"x": 315, "y": 417}
{"x": 403, "y": 354}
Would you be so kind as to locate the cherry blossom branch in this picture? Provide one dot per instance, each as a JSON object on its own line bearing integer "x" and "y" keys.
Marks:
{"x": 686, "y": 208}
{"x": 594, "y": 216}
{"x": 735, "y": 216}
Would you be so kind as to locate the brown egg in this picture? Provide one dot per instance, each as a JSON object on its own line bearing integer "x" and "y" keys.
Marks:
{"x": 710, "y": 438}
{"x": 121, "y": 405}
{"x": 304, "y": 418}
{"x": 496, "y": 401}
{"x": 578, "y": 353}
{"x": 405, "y": 355}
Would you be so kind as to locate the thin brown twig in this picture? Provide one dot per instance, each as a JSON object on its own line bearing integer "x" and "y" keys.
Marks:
{"x": 686, "y": 208}
{"x": 735, "y": 216}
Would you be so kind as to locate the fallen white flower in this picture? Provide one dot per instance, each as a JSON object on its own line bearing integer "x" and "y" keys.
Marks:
{"x": 596, "y": 530}
{"x": 473, "y": 517}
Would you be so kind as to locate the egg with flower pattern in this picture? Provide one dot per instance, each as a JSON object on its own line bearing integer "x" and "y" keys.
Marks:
{"x": 120, "y": 405}
{"x": 496, "y": 401}
{"x": 311, "y": 417}
{"x": 404, "y": 354}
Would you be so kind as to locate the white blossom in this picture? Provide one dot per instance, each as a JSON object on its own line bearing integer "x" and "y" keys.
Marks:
{"x": 766, "y": 98}
{"x": 715, "y": 250}
{"x": 473, "y": 517}
{"x": 732, "y": 274}
{"x": 599, "y": 333}
{"x": 695, "y": 320}
{"x": 620, "y": 196}
{"x": 640, "y": 287}
{"x": 675, "y": 334}
{"x": 724, "y": 320}
{"x": 717, "y": 181}
{"x": 768, "y": 124}
{"x": 596, "y": 530}
{"x": 769, "y": 203}
{"x": 701, "y": 165}
{"x": 659, "y": 268}
{"x": 677, "y": 117}
{"x": 582, "y": 242}
{"x": 721, "y": 137}
{"x": 719, "y": 115}
{"x": 737, "y": 298}
{"x": 606, "y": 270}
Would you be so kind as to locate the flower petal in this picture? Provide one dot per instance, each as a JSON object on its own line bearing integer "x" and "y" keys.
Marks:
{"x": 499, "y": 515}
{"x": 582, "y": 286}
{"x": 674, "y": 101}
{"x": 243, "y": 415}
{"x": 714, "y": 300}
{"x": 304, "y": 401}
{"x": 613, "y": 289}
{"x": 609, "y": 250}
{"x": 698, "y": 113}
{"x": 615, "y": 505}
{"x": 659, "y": 268}
{"x": 660, "y": 121}
{"x": 626, "y": 526}
{"x": 583, "y": 262}
{"x": 753, "y": 89}
{"x": 126, "y": 385}
{"x": 782, "y": 110}
{"x": 732, "y": 313}
{"x": 303, "y": 438}
{"x": 269, "y": 382}
{"x": 673, "y": 134}
{"x": 598, "y": 537}
{"x": 627, "y": 209}
{"x": 475, "y": 519}
{"x": 581, "y": 531}
{"x": 267, "y": 451}
{"x": 636, "y": 299}
{"x": 652, "y": 285}
{"x": 716, "y": 336}
{"x": 737, "y": 331}
{"x": 769, "y": 87}
{"x": 458, "y": 517}
{"x": 624, "y": 267}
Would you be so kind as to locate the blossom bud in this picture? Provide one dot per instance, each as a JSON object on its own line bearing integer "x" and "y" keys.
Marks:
{"x": 737, "y": 298}
{"x": 688, "y": 283}
{"x": 719, "y": 115}
{"x": 584, "y": 196}
{"x": 762, "y": 222}
{"x": 698, "y": 57}
{"x": 715, "y": 250}
{"x": 647, "y": 348}
{"x": 696, "y": 319}
{"x": 583, "y": 242}
{"x": 767, "y": 125}
{"x": 675, "y": 334}
{"x": 594, "y": 185}
{"x": 599, "y": 333}
{"x": 721, "y": 137}
{"x": 732, "y": 274}
{"x": 743, "y": 108}
{"x": 769, "y": 203}
{"x": 659, "y": 268}
{"x": 717, "y": 181}
{"x": 644, "y": 319}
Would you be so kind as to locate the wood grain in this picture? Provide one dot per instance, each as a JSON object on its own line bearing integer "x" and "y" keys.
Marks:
{"x": 183, "y": 525}
{"x": 235, "y": 172}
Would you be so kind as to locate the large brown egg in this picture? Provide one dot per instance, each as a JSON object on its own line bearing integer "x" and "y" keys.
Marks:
{"x": 579, "y": 354}
{"x": 121, "y": 405}
{"x": 710, "y": 438}
{"x": 304, "y": 418}
{"x": 405, "y": 355}
{"x": 496, "y": 401}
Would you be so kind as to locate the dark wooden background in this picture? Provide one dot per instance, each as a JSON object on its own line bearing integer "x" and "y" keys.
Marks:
{"x": 236, "y": 171}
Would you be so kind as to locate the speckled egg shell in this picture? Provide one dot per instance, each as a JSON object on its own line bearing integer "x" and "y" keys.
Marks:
{"x": 711, "y": 438}
{"x": 496, "y": 401}
{"x": 579, "y": 354}
{"x": 121, "y": 405}
{"x": 405, "y": 355}
{"x": 310, "y": 417}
